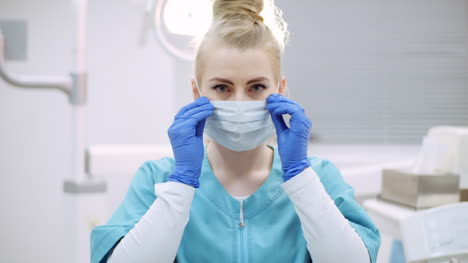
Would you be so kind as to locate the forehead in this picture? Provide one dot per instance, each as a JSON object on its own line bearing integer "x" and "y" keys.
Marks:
{"x": 236, "y": 64}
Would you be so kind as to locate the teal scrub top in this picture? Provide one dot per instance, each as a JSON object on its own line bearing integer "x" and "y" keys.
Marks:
{"x": 272, "y": 230}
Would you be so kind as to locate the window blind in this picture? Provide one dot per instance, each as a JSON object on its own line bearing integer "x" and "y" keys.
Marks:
{"x": 378, "y": 71}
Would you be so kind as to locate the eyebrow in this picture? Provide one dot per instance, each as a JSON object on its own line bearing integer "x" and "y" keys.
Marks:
{"x": 230, "y": 82}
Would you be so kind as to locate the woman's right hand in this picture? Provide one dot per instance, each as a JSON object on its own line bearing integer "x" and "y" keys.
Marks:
{"x": 186, "y": 135}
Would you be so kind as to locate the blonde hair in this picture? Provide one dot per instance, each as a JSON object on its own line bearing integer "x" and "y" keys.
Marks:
{"x": 240, "y": 24}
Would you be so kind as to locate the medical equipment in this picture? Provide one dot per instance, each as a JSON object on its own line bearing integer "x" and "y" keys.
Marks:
{"x": 179, "y": 24}
{"x": 75, "y": 88}
{"x": 175, "y": 24}
{"x": 81, "y": 211}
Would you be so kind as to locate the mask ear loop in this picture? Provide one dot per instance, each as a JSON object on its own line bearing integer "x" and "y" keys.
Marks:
{"x": 277, "y": 90}
{"x": 198, "y": 87}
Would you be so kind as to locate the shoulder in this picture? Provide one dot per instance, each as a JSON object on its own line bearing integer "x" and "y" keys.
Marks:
{"x": 323, "y": 166}
{"x": 156, "y": 170}
{"x": 331, "y": 177}
{"x": 343, "y": 196}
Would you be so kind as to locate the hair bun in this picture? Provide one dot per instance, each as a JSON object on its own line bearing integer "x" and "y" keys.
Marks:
{"x": 226, "y": 9}
{"x": 239, "y": 17}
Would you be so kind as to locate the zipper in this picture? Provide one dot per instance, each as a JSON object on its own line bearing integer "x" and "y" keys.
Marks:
{"x": 241, "y": 224}
{"x": 241, "y": 232}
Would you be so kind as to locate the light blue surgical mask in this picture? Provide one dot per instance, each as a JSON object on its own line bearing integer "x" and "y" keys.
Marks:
{"x": 239, "y": 125}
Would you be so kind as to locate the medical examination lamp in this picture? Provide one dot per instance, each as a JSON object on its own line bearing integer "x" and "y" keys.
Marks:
{"x": 179, "y": 24}
{"x": 176, "y": 24}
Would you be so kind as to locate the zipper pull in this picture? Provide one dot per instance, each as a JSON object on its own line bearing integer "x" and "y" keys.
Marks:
{"x": 241, "y": 224}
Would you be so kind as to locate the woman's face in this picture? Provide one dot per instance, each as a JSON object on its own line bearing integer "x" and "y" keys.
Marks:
{"x": 237, "y": 75}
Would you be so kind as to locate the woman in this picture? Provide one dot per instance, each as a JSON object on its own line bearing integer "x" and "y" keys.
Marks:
{"x": 236, "y": 198}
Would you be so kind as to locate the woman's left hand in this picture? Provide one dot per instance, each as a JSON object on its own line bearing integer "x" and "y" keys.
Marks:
{"x": 294, "y": 140}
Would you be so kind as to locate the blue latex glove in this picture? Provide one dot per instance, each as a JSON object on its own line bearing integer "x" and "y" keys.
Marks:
{"x": 292, "y": 141}
{"x": 186, "y": 135}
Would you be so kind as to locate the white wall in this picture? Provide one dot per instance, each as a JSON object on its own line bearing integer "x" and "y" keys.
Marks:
{"x": 131, "y": 100}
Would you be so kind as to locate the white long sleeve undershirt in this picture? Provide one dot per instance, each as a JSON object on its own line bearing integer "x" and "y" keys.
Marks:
{"x": 156, "y": 237}
{"x": 329, "y": 236}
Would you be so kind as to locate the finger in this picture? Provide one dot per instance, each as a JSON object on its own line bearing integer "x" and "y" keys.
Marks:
{"x": 279, "y": 123}
{"x": 277, "y": 118}
{"x": 200, "y": 127}
{"x": 299, "y": 121}
{"x": 294, "y": 107}
{"x": 275, "y": 98}
{"x": 198, "y": 117}
{"x": 272, "y": 106}
{"x": 197, "y": 109}
{"x": 193, "y": 120}
{"x": 287, "y": 108}
{"x": 198, "y": 102}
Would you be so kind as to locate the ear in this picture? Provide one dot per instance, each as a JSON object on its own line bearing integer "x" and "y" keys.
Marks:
{"x": 195, "y": 92}
{"x": 283, "y": 86}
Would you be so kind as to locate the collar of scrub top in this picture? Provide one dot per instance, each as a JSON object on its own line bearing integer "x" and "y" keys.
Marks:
{"x": 264, "y": 196}
{"x": 199, "y": 91}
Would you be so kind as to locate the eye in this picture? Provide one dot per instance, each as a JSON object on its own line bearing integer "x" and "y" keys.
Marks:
{"x": 221, "y": 88}
{"x": 257, "y": 88}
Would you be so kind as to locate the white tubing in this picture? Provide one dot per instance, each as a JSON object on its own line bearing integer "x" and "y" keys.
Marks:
{"x": 78, "y": 115}
{"x": 81, "y": 7}
{"x": 60, "y": 83}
